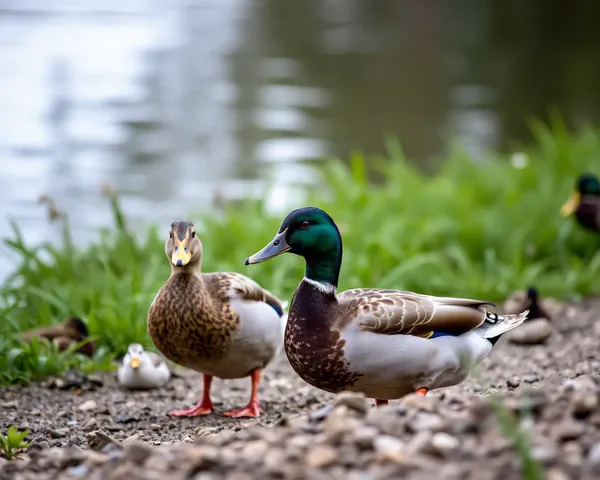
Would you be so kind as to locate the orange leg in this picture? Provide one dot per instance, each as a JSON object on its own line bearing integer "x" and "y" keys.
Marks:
{"x": 204, "y": 407}
{"x": 421, "y": 391}
{"x": 380, "y": 402}
{"x": 253, "y": 407}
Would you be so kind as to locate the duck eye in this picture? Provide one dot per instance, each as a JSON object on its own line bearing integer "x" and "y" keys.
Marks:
{"x": 305, "y": 224}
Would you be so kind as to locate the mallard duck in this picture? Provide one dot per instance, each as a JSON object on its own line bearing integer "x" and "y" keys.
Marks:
{"x": 384, "y": 343}
{"x": 584, "y": 202}
{"x": 141, "y": 369}
{"x": 222, "y": 324}
{"x": 527, "y": 300}
{"x": 66, "y": 333}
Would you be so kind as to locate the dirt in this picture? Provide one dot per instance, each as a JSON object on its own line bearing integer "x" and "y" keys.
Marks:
{"x": 89, "y": 427}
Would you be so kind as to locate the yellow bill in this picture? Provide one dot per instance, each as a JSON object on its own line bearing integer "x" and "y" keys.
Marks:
{"x": 571, "y": 204}
{"x": 135, "y": 362}
{"x": 181, "y": 255}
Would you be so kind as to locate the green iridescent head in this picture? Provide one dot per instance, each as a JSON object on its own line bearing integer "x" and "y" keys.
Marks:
{"x": 587, "y": 185}
{"x": 311, "y": 233}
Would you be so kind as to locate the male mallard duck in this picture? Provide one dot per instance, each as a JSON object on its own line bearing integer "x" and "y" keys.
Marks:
{"x": 222, "y": 324}
{"x": 141, "y": 369}
{"x": 584, "y": 202}
{"x": 385, "y": 343}
{"x": 66, "y": 333}
{"x": 527, "y": 300}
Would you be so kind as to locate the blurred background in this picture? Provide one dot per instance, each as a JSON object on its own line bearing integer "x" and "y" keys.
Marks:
{"x": 176, "y": 102}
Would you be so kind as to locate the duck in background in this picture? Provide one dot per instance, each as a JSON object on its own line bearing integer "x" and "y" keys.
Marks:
{"x": 222, "y": 324}
{"x": 384, "y": 343}
{"x": 527, "y": 300}
{"x": 584, "y": 202}
{"x": 538, "y": 327}
{"x": 72, "y": 330}
{"x": 141, "y": 369}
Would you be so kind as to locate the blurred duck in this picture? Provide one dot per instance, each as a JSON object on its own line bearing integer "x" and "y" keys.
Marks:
{"x": 141, "y": 369}
{"x": 222, "y": 324}
{"x": 584, "y": 202}
{"x": 527, "y": 300}
{"x": 65, "y": 334}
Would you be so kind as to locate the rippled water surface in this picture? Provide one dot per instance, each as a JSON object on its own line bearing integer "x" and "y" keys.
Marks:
{"x": 173, "y": 102}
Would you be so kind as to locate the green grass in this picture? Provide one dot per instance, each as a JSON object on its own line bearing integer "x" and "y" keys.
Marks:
{"x": 478, "y": 230}
{"x": 13, "y": 443}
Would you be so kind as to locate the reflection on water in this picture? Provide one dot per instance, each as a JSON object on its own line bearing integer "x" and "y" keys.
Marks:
{"x": 176, "y": 102}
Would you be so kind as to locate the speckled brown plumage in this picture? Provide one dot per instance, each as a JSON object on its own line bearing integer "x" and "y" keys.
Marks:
{"x": 187, "y": 324}
{"x": 314, "y": 350}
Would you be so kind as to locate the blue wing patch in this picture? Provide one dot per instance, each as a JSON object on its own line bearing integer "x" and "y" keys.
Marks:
{"x": 440, "y": 334}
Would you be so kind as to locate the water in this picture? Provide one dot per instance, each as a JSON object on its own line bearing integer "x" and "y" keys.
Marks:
{"x": 173, "y": 103}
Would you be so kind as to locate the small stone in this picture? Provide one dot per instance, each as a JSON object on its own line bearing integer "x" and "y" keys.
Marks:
{"x": 419, "y": 442}
{"x": 424, "y": 403}
{"x": 532, "y": 332}
{"x": 425, "y": 421}
{"x": 137, "y": 452}
{"x": 356, "y": 402}
{"x": 273, "y": 461}
{"x": 584, "y": 383}
{"x": 11, "y": 404}
{"x": 88, "y": 406}
{"x": 90, "y": 425}
{"x": 98, "y": 440}
{"x": 545, "y": 453}
{"x": 572, "y": 454}
{"x": 125, "y": 419}
{"x": 131, "y": 439}
{"x": 584, "y": 403}
{"x": 513, "y": 382}
{"x": 530, "y": 379}
{"x": 338, "y": 423}
{"x": 557, "y": 474}
{"x": 568, "y": 430}
{"x": 443, "y": 443}
{"x": 58, "y": 433}
{"x": 155, "y": 426}
{"x": 78, "y": 471}
{"x": 321, "y": 456}
{"x": 364, "y": 436}
{"x": 254, "y": 451}
{"x": 593, "y": 457}
{"x": 389, "y": 448}
{"x": 39, "y": 445}
{"x": 114, "y": 428}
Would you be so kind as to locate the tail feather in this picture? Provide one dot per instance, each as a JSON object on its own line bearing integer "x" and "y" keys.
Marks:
{"x": 500, "y": 324}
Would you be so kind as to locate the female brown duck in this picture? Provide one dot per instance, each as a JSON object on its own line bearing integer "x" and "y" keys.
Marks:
{"x": 222, "y": 324}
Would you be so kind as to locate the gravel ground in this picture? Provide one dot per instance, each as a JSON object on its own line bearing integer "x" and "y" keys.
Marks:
{"x": 88, "y": 427}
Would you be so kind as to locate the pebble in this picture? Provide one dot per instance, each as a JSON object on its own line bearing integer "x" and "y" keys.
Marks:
{"x": 321, "y": 456}
{"x": 355, "y": 402}
{"x": 88, "y": 406}
{"x": 584, "y": 402}
{"x": 530, "y": 379}
{"x": 58, "y": 433}
{"x": 90, "y": 425}
{"x": 444, "y": 443}
{"x": 388, "y": 447}
{"x": 593, "y": 457}
{"x": 513, "y": 382}
{"x": 568, "y": 430}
